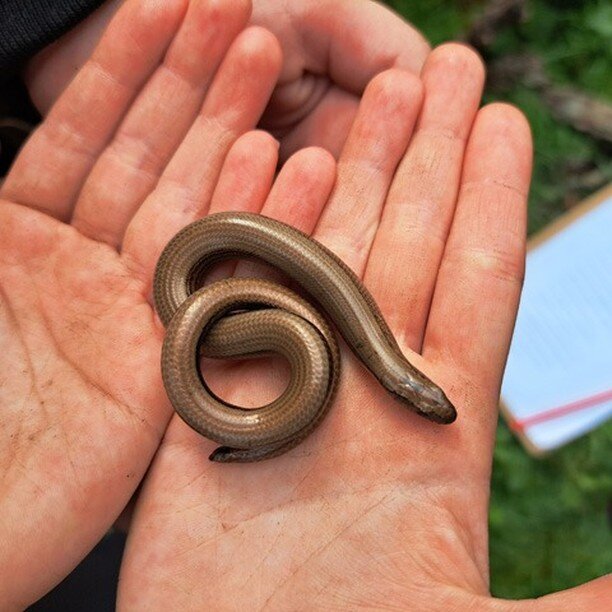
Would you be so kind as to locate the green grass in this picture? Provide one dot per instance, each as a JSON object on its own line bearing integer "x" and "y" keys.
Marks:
{"x": 549, "y": 521}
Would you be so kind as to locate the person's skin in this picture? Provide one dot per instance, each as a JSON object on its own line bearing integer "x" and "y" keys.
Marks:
{"x": 128, "y": 155}
{"x": 331, "y": 49}
{"x": 378, "y": 508}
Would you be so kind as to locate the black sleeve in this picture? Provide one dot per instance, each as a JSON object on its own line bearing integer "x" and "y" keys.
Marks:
{"x": 26, "y": 26}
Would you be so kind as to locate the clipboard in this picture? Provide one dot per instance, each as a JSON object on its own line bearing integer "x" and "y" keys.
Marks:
{"x": 583, "y": 410}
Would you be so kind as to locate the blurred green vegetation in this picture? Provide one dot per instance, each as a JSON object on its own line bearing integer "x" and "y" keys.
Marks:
{"x": 549, "y": 518}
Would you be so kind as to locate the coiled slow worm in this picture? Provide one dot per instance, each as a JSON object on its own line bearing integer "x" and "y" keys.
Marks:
{"x": 249, "y": 317}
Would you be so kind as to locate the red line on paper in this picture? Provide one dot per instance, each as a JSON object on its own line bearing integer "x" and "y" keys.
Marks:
{"x": 559, "y": 411}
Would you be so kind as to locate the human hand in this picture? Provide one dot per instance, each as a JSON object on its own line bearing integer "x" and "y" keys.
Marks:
{"x": 331, "y": 49}
{"x": 130, "y": 153}
{"x": 378, "y": 509}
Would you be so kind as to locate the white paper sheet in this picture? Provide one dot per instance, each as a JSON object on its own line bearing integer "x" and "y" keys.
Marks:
{"x": 561, "y": 351}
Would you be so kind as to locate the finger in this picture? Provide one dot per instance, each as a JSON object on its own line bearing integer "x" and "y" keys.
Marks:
{"x": 302, "y": 189}
{"x": 297, "y": 198}
{"x": 237, "y": 97}
{"x": 408, "y": 248}
{"x": 244, "y": 183}
{"x": 247, "y": 174}
{"x": 157, "y": 122}
{"x": 351, "y": 41}
{"x": 589, "y": 596}
{"x": 375, "y": 145}
{"x": 347, "y": 42}
{"x": 479, "y": 282}
{"x": 51, "y": 169}
{"x": 367, "y": 39}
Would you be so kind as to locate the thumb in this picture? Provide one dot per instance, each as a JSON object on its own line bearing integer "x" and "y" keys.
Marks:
{"x": 348, "y": 41}
{"x": 590, "y": 597}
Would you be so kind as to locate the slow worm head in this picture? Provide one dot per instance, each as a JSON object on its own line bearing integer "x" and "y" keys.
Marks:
{"x": 247, "y": 318}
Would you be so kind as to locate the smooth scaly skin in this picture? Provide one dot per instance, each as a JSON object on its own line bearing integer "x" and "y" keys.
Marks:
{"x": 300, "y": 334}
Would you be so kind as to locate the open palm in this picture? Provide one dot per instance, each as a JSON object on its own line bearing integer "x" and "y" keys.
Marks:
{"x": 114, "y": 171}
{"x": 378, "y": 509}
{"x": 378, "y": 503}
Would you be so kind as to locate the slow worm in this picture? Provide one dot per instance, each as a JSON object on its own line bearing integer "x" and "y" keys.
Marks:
{"x": 251, "y": 317}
